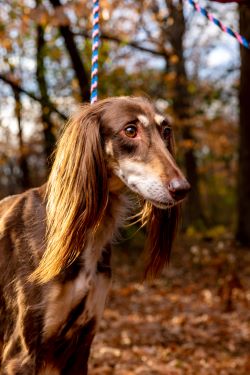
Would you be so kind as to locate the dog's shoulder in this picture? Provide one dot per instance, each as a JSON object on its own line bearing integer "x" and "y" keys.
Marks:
{"x": 7, "y": 203}
{"x": 13, "y": 206}
{"x": 23, "y": 215}
{"x": 22, "y": 231}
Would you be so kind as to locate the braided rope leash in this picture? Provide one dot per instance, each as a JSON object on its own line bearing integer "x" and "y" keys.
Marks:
{"x": 96, "y": 40}
{"x": 95, "y": 51}
{"x": 241, "y": 39}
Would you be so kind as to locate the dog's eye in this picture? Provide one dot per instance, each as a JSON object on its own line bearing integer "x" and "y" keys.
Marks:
{"x": 166, "y": 132}
{"x": 131, "y": 131}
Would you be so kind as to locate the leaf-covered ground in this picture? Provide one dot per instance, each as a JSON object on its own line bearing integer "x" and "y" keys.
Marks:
{"x": 195, "y": 319}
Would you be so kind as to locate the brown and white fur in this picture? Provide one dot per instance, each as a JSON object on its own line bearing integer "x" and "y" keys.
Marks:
{"x": 55, "y": 240}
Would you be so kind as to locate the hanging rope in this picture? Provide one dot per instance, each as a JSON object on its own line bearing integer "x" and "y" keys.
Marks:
{"x": 95, "y": 51}
{"x": 96, "y": 40}
{"x": 241, "y": 39}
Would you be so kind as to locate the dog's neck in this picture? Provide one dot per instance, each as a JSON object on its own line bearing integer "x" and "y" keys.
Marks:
{"x": 115, "y": 184}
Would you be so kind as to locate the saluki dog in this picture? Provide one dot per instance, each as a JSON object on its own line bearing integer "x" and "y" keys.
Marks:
{"x": 55, "y": 240}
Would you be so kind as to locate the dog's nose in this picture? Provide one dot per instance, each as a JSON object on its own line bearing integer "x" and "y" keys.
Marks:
{"x": 178, "y": 188}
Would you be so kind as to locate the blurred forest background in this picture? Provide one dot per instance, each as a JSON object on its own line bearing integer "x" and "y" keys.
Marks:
{"x": 201, "y": 77}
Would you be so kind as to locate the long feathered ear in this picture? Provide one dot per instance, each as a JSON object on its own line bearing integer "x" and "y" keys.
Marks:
{"x": 162, "y": 227}
{"x": 77, "y": 194}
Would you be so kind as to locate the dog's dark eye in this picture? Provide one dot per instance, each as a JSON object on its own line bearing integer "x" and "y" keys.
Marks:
{"x": 131, "y": 131}
{"x": 166, "y": 132}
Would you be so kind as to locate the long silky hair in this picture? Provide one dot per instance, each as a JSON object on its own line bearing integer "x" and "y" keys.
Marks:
{"x": 162, "y": 226}
{"x": 77, "y": 194}
{"x": 161, "y": 230}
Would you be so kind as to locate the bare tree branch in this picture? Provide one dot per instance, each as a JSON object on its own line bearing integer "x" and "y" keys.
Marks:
{"x": 21, "y": 90}
{"x": 163, "y": 53}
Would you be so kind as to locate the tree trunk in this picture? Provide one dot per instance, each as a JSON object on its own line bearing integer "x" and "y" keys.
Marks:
{"x": 243, "y": 230}
{"x": 23, "y": 165}
{"x": 182, "y": 109}
{"x": 16, "y": 86}
{"x": 49, "y": 137}
{"x": 75, "y": 57}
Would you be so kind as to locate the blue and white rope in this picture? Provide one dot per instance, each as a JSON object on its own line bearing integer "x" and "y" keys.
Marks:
{"x": 95, "y": 52}
{"x": 241, "y": 39}
{"x": 96, "y": 41}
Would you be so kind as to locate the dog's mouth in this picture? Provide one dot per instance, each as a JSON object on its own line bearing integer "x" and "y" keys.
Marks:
{"x": 157, "y": 203}
{"x": 164, "y": 205}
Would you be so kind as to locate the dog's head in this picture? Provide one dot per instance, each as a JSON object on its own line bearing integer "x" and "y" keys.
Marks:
{"x": 139, "y": 148}
{"x": 113, "y": 142}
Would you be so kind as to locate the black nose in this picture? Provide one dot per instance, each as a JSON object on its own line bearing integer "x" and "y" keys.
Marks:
{"x": 178, "y": 188}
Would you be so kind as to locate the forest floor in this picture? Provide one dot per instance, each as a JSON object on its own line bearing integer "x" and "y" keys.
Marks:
{"x": 194, "y": 319}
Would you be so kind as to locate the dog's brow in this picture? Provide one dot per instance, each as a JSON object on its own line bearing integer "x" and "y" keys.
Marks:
{"x": 133, "y": 120}
{"x": 159, "y": 119}
{"x": 122, "y": 122}
{"x": 144, "y": 120}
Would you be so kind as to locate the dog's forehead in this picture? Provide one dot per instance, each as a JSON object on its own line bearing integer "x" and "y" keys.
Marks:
{"x": 135, "y": 107}
{"x": 121, "y": 112}
{"x": 125, "y": 111}
{"x": 145, "y": 112}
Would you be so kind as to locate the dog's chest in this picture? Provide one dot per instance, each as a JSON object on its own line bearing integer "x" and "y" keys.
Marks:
{"x": 80, "y": 296}
{"x": 71, "y": 319}
{"x": 71, "y": 305}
